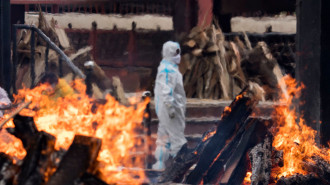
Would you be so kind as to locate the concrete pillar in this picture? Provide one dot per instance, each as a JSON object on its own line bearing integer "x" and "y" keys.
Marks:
{"x": 313, "y": 64}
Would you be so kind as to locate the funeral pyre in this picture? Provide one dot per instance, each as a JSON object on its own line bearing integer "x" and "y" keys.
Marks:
{"x": 241, "y": 150}
{"x": 72, "y": 139}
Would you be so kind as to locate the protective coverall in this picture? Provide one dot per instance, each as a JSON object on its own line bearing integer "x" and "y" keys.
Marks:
{"x": 170, "y": 105}
{"x": 4, "y": 100}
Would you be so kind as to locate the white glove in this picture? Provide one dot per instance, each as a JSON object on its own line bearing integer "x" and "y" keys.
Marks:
{"x": 170, "y": 110}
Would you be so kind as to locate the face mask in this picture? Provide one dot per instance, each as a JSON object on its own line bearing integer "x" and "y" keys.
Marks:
{"x": 176, "y": 59}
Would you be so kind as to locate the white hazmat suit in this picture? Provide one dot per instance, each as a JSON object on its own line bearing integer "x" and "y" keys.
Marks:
{"x": 4, "y": 100}
{"x": 170, "y": 105}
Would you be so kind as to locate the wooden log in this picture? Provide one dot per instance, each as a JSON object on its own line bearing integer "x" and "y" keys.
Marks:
{"x": 212, "y": 82}
{"x": 188, "y": 74}
{"x": 231, "y": 165}
{"x": 277, "y": 158}
{"x": 63, "y": 38}
{"x": 225, "y": 164}
{"x": 260, "y": 158}
{"x": 224, "y": 81}
{"x": 324, "y": 165}
{"x": 301, "y": 180}
{"x": 8, "y": 170}
{"x": 231, "y": 120}
{"x": 321, "y": 166}
{"x": 89, "y": 179}
{"x": 14, "y": 112}
{"x": 237, "y": 176}
{"x": 25, "y": 130}
{"x": 118, "y": 90}
{"x": 217, "y": 92}
{"x": 258, "y": 68}
{"x": 208, "y": 75}
{"x": 80, "y": 156}
{"x": 200, "y": 87}
{"x": 184, "y": 160}
{"x": 37, "y": 162}
{"x": 190, "y": 88}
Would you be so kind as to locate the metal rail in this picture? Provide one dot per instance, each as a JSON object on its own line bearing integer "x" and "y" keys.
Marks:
{"x": 50, "y": 44}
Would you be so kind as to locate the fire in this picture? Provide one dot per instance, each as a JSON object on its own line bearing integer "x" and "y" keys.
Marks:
{"x": 9, "y": 144}
{"x": 292, "y": 136}
{"x": 247, "y": 178}
{"x": 114, "y": 123}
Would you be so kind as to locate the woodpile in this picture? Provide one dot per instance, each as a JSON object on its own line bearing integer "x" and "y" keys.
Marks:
{"x": 215, "y": 68}
{"x": 101, "y": 83}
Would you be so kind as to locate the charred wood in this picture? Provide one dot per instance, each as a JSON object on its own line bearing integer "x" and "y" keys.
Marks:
{"x": 7, "y": 170}
{"x": 89, "y": 179}
{"x": 25, "y": 130}
{"x": 260, "y": 158}
{"x": 300, "y": 179}
{"x": 237, "y": 176}
{"x": 324, "y": 166}
{"x": 80, "y": 156}
{"x": 318, "y": 166}
{"x": 232, "y": 120}
{"x": 184, "y": 160}
{"x": 37, "y": 162}
{"x": 277, "y": 158}
{"x": 222, "y": 170}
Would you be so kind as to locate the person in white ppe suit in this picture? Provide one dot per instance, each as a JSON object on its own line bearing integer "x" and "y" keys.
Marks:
{"x": 170, "y": 105}
{"x": 4, "y": 101}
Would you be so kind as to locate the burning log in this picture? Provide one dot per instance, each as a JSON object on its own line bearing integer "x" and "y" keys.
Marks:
{"x": 222, "y": 170}
{"x": 37, "y": 163}
{"x": 14, "y": 113}
{"x": 25, "y": 130}
{"x": 7, "y": 169}
{"x": 231, "y": 121}
{"x": 89, "y": 179}
{"x": 324, "y": 166}
{"x": 80, "y": 156}
{"x": 39, "y": 147}
{"x": 213, "y": 140}
{"x": 301, "y": 180}
{"x": 260, "y": 158}
{"x": 184, "y": 160}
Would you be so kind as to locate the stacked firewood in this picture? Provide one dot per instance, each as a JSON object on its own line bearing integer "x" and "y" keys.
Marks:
{"x": 101, "y": 83}
{"x": 215, "y": 68}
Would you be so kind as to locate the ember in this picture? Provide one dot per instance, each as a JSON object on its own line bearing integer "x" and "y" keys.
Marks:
{"x": 74, "y": 115}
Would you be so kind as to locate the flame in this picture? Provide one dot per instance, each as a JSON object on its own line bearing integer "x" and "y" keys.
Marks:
{"x": 247, "y": 178}
{"x": 9, "y": 144}
{"x": 114, "y": 123}
{"x": 292, "y": 136}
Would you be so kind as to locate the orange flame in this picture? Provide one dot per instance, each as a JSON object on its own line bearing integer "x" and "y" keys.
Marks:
{"x": 293, "y": 137}
{"x": 114, "y": 123}
{"x": 247, "y": 178}
{"x": 9, "y": 144}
